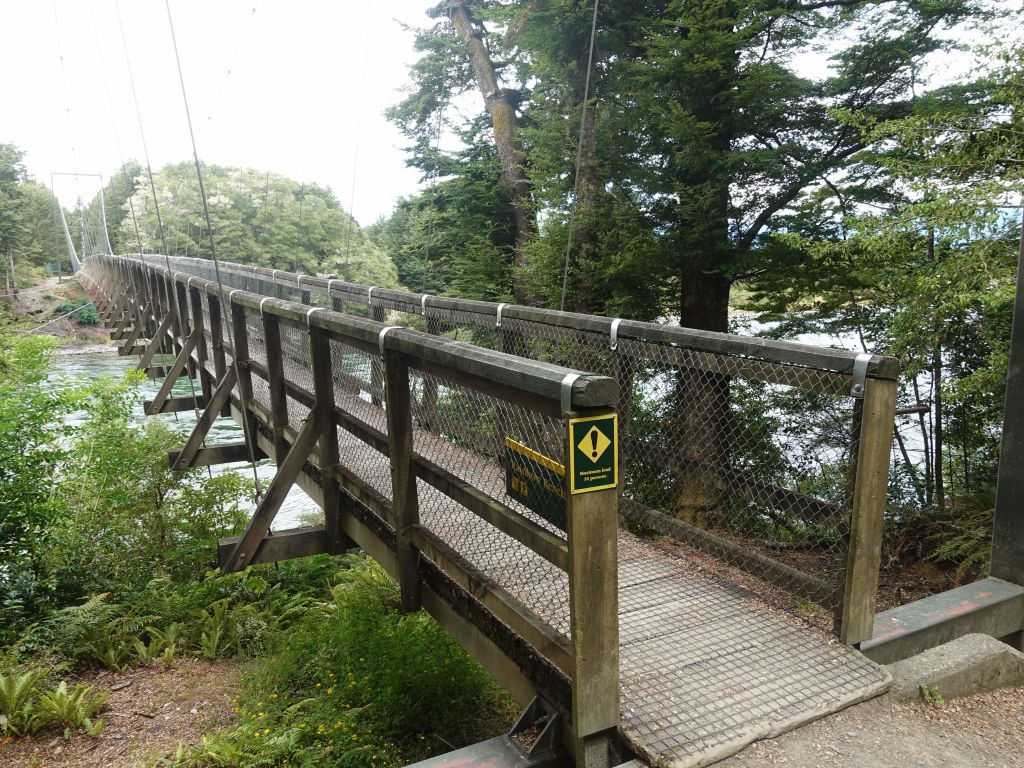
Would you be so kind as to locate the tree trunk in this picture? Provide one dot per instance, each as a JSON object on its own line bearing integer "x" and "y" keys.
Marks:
{"x": 937, "y": 436}
{"x": 584, "y": 253}
{"x": 499, "y": 105}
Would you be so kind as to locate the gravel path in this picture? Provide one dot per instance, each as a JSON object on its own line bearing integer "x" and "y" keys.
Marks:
{"x": 982, "y": 731}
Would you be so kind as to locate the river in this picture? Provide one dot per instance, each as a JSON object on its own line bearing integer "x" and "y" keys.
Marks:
{"x": 297, "y": 509}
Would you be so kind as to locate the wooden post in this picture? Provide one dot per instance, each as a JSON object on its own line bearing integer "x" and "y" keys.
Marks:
{"x": 217, "y": 343}
{"x": 240, "y": 336}
{"x": 864, "y": 550}
{"x": 403, "y": 477}
{"x": 1008, "y": 526}
{"x": 275, "y": 381}
{"x": 206, "y": 382}
{"x": 376, "y": 366}
{"x": 594, "y": 605}
{"x": 323, "y": 389}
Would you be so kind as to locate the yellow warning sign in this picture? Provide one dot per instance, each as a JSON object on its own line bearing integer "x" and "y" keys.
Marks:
{"x": 594, "y": 458}
{"x": 594, "y": 444}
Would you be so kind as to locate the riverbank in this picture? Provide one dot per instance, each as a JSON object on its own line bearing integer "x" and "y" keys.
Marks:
{"x": 42, "y": 309}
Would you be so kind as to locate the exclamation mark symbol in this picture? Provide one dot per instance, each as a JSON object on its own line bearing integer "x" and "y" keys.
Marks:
{"x": 593, "y": 442}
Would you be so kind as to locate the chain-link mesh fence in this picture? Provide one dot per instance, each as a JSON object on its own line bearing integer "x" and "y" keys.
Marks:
{"x": 744, "y": 453}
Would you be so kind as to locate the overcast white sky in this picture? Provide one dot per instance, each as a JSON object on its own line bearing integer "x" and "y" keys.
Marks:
{"x": 291, "y": 86}
{"x": 307, "y": 78}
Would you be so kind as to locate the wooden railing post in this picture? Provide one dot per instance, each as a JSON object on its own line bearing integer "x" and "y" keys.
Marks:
{"x": 403, "y": 477}
{"x": 323, "y": 390}
{"x": 240, "y": 339}
{"x": 275, "y": 382}
{"x": 592, "y": 517}
{"x": 867, "y": 516}
{"x": 217, "y": 343}
{"x": 206, "y": 381}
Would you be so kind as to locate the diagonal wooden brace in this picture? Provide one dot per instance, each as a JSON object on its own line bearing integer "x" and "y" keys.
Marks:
{"x": 220, "y": 398}
{"x": 155, "y": 342}
{"x": 121, "y": 326}
{"x": 129, "y": 345}
{"x": 172, "y": 375}
{"x": 287, "y": 473}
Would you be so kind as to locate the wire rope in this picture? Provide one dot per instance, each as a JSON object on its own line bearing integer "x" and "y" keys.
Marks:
{"x": 161, "y": 234}
{"x": 355, "y": 152}
{"x": 579, "y": 159}
{"x": 213, "y": 253}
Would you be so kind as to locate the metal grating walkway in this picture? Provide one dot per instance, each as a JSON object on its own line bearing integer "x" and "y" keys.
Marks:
{"x": 705, "y": 668}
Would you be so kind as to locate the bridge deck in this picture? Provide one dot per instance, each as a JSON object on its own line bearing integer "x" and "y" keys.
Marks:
{"x": 705, "y": 667}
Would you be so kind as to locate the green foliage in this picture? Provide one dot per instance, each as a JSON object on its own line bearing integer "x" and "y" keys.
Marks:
{"x": 325, "y": 698}
{"x": 930, "y": 695}
{"x": 32, "y": 449}
{"x": 18, "y": 714}
{"x": 258, "y": 218}
{"x": 86, "y": 313}
{"x": 74, "y": 709}
{"x": 216, "y": 630}
{"x": 118, "y": 495}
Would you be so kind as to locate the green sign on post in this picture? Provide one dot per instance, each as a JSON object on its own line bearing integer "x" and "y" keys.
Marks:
{"x": 536, "y": 481}
{"x": 593, "y": 453}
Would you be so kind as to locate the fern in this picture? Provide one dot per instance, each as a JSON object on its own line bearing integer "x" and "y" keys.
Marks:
{"x": 72, "y": 708}
{"x": 18, "y": 715}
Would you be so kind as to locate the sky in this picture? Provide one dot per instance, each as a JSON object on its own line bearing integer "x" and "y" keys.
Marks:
{"x": 298, "y": 87}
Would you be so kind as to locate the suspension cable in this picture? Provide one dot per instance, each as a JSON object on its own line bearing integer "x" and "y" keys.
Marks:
{"x": 224, "y": 306}
{"x": 355, "y": 151}
{"x": 156, "y": 206}
{"x": 579, "y": 159}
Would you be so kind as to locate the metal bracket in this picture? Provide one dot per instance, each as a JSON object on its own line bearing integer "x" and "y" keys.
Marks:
{"x": 860, "y": 374}
{"x": 382, "y": 335}
{"x": 332, "y": 280}
{"x": 613, "y": 337}
{"x": 497, "y": 322}
{"x": 369, "y": 295}
{"x": 263, "y": 301}
{"x": 423, "y": 304}
{"x": 567, "y": 382}
{"x": 309, "y": 314}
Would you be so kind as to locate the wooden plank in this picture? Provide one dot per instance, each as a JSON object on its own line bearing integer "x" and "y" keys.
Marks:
{"x": 221, "y": 397}
{"x": 174, "y": 372}
{"x": 405, "y": 503}
{"x": 280, "y": 545}
{"x": 495, "y": 598}
{"x": 542, "y": 541}
{"x": 174, "y": 405}
{"x": 223, "y": 453}
{"x": 594, "y": 604}
{"x": 864, "y": 551}
{"x": 249, "y": 543}
{"x": 461, "y": 360}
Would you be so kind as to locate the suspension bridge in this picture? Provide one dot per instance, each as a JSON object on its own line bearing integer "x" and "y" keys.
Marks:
{"x": 498, "y": 459}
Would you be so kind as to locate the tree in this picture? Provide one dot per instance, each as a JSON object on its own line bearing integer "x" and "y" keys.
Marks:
{"x": 927, "y": 273}
{"x": 258, "y": 218}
